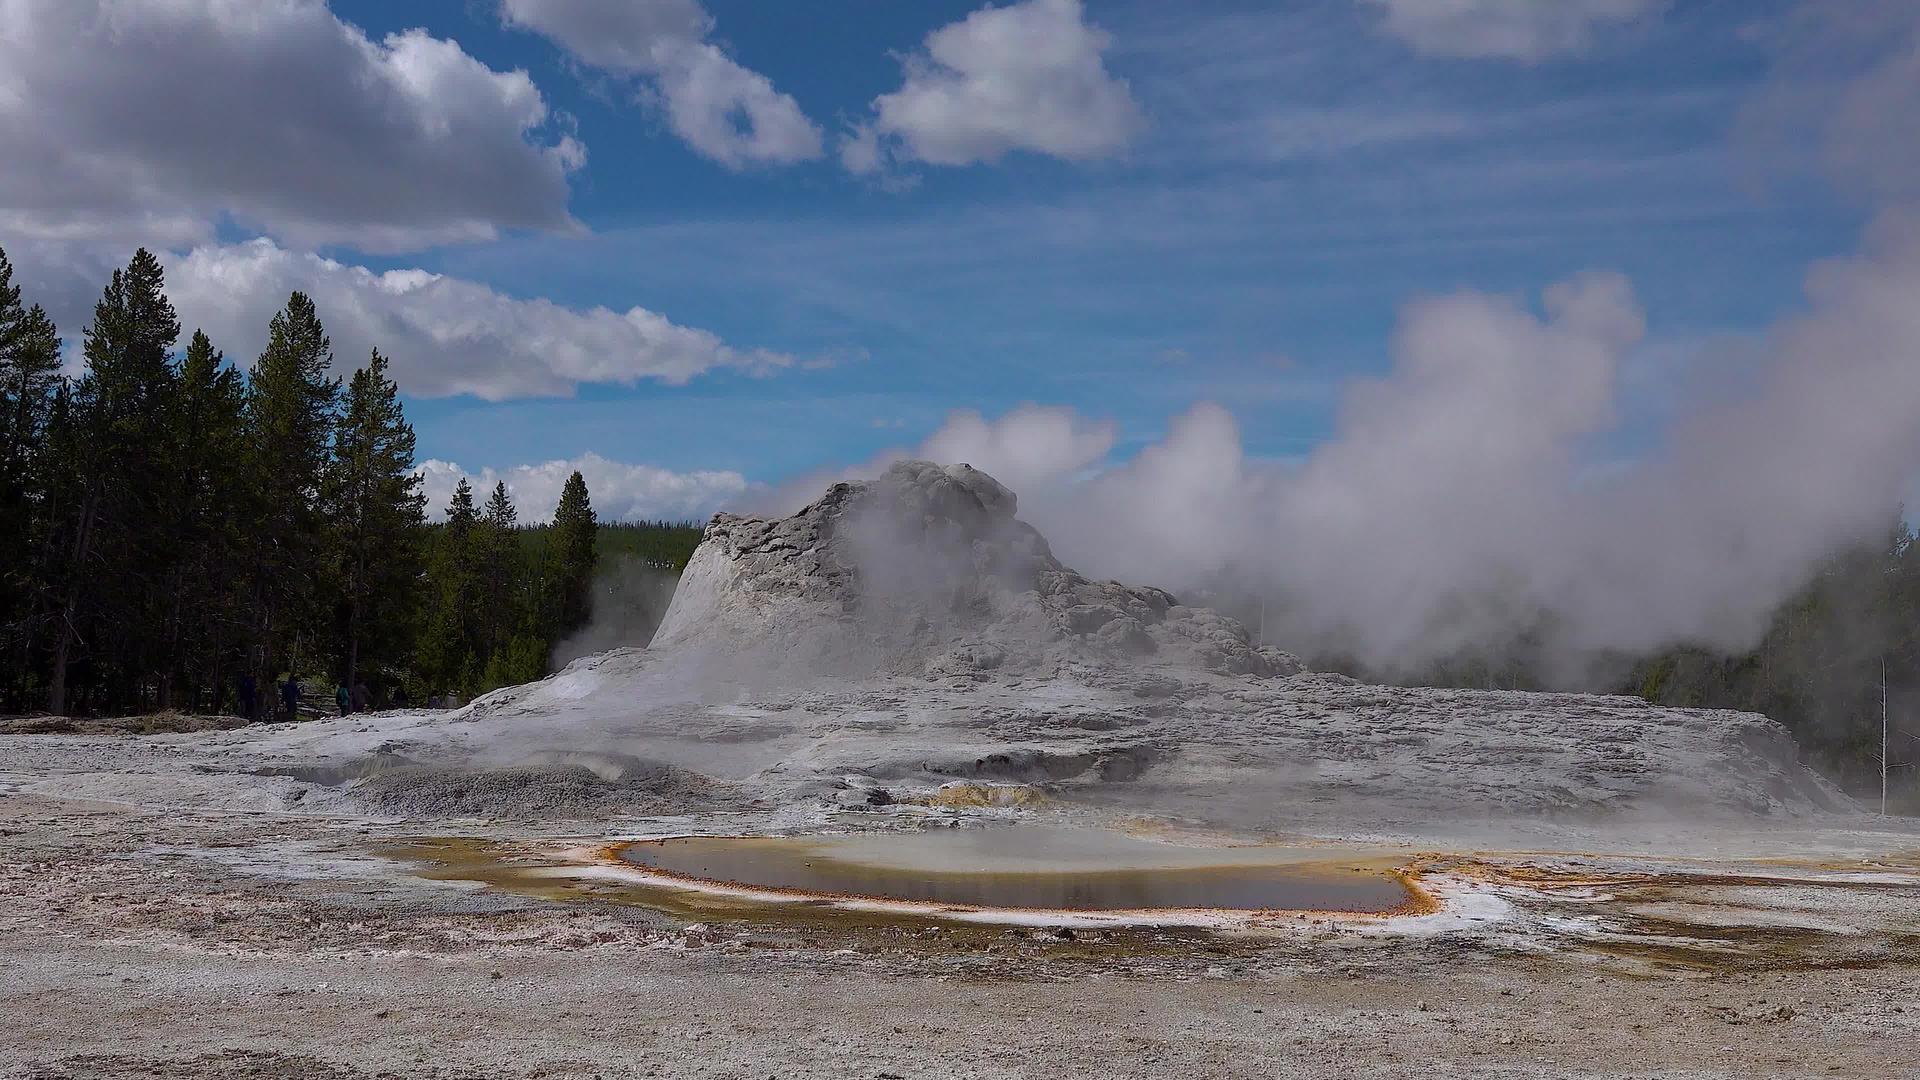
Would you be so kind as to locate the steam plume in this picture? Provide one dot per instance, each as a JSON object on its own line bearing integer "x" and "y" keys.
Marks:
{"x": 1458, "y": 505}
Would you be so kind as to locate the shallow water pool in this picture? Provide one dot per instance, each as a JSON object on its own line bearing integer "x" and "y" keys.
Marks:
{"x": 1032, "y": 868}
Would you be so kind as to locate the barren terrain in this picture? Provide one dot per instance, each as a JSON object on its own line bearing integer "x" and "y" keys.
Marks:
{"x": 154, "y": 940}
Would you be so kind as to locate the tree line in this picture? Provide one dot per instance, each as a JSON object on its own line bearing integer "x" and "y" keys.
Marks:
{"x": 1848, "y": 635}
{"x": 1837, "y": 652}
{"x": 178, "y": 534}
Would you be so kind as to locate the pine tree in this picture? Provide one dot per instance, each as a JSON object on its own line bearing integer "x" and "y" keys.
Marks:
{"x": 375, "y": 506}
{"x": 205, "y": 622}
{"x": 500, "y": 512}
{"x": 291, "y": 406}
{"x": 10, "y": 310}
{"x": 522, "y": 660}
{"x": 499, "y": 560}
{"x": 166, "y": 525}
{"x": 29, "y": 368}
{"x": 63, "y": 489}
{"x": 573, "y": 560}
{"x": 461, "y": 514}
{"x": 446, "y": 653}
{"x": 110, "y": 581}
{"x": 29, "y": 379}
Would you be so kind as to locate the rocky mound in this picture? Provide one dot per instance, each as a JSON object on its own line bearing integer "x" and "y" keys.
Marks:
{"x": 926, "y": 570}
{"x": 163, "y": 723}
{"x": 909, "y": 633}
{"x": 552, "y": 790}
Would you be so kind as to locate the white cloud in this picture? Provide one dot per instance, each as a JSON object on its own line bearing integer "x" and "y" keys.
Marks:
{"x": 140, "y": 122}
{"x": 445, "y": 335}
{"x": 1028, "y": 76}
{"x": 723, "y": 110}
{"x": 1846, "y": 83}
{"x": 1525, "y": 30}
{"x": 619, "y": 491}
{"x": 860, "y": 151}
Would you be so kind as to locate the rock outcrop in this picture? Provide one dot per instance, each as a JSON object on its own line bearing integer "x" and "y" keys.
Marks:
{"x": 928, "y": 570}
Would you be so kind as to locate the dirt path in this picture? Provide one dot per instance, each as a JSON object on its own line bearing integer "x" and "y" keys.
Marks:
{"x": 163, "y": 943}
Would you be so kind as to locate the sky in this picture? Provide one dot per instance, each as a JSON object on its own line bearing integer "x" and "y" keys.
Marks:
{"x": 713, "y": 251}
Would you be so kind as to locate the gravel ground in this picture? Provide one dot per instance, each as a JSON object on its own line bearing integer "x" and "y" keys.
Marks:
{"x": 169, "y": 943}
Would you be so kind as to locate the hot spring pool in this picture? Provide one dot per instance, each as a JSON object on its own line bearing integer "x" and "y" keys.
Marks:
{"x": 1065, "y": 869}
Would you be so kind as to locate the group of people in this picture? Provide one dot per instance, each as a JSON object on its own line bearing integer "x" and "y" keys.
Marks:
{"x": 248, "y": 691}
{"x": 350, "y": 700}
{"x": 347, "y": 699}
{"x": 250, "y": 706}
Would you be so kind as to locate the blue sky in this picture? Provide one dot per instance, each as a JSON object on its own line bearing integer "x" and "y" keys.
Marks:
{"x": 1294, "y": 175}
{"x": 1130, "y": 288}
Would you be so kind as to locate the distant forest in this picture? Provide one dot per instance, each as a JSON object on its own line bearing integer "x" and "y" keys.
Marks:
{"x": 1820, "y": 668}
{"x": 178, "y": 534}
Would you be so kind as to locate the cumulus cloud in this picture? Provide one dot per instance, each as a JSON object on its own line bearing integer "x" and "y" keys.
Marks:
{"x": 723, "y": 110}
{"x": 620, "y": 491}
{"x": 445, "y": 335}
{"x": 1524, "y": 30}
{"x": 1027, "y": 76}
{"x": 271, "y": 112}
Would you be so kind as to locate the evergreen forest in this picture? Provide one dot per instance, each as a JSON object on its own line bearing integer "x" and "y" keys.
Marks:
{"x": 178, "y": 532}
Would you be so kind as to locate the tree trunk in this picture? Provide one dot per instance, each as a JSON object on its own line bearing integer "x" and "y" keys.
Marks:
{"x": 356, "y": 587}
{"x": 63, "y": 648}
{"x": 57, "y": 686}
{"x": 352, "y": 640}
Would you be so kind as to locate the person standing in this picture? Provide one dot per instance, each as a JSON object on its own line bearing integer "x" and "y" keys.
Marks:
{"x": 290, "y": 696}
{"x": 340, "y": 699}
